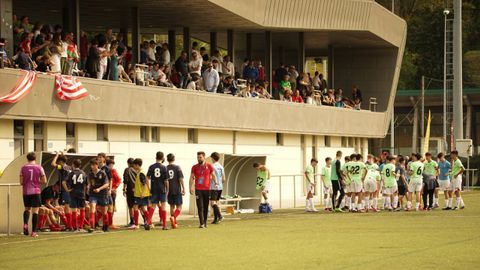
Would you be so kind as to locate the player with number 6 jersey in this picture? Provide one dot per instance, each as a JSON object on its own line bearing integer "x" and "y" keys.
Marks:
{"x": 416, "y": 181}
{"x": 75, "y": 185}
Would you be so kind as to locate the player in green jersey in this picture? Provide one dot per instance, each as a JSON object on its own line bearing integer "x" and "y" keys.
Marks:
{"x": 346, "y": 184}
{"x": 327, "y": 184}
{"x": 357, "y": 171}
{"x": 390, "y": 188}
{"x": 457, "y": 171}
{"x": 310, "y": 178}
{"x": 416, "y": 181}
{"x": 370, "y": 183}
{"x": 263, "y": 180}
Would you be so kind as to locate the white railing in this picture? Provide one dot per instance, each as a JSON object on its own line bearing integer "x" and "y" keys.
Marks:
{"x": 8, "y": 186}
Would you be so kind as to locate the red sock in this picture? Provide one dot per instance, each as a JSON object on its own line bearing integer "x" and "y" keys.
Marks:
{"x": 110, "y": 217}
{"x": 148, "y": 216}
{"x": 81, "y": 220}
{"x": 163, "y": 217}
{"x": 39, "y": 223}
{"x": 98, "y": 216}
{"x": 92, "y": 220}
{"x": 105, "y": 219}
{"x": 64, "y": 220}
{"x": 176, "y": 214}
{"x": 150, "y": 212}
{"x": 135, "y": 217}
{"x": 73, "y": 221}
{"x": 69, "y": 220}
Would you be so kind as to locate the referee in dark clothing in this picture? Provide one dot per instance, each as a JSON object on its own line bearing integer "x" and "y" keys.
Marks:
{"x": 337, "y": 182}
{"x": 201, "y": 175}
{"x": 129, "y": 175}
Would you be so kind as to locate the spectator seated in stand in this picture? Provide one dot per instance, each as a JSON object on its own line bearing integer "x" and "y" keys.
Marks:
{"x": 297, "y": 97}
{"x": 329, "y": 98}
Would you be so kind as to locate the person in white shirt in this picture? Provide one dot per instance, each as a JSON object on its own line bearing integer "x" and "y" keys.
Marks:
{"x": 195, "y": 65}
{"x": 151, "y": 52}
{"x": 165, "y": 56}
{"x": 211, "y": 78}
{"x": 216, "y": 56}
{"x": 316, "y": 81}
{"x": 228, "y": 66}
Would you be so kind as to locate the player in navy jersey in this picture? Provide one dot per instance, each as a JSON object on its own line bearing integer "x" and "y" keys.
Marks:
{"x": 102, "y": 164}
{"x": 157, "y": 175}
{"x": 59, "y": 162}
{"x": 176, "y": 189}
{"x": 75, "y": 185}
{"x": 98, "y": 191}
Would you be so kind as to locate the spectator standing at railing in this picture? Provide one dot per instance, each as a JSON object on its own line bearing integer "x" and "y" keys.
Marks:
{"x": 228, "y": 66}
{"x": 165, "y": 55}
{"x": 357, "y": 97}
{"x": 195, "y": 65}
{"x": 250, "y": 72}
{"x": 56, "y": 48}
{"x": 292, "y": 71}
{"x": 261, "y": 70}
{"x": 64, "y": 53}
{"x": 151, "y": 52}
{"x": 211, "y": 79}
{"x": 93, "y": 60}
{"x": 323, "y": 83}
{"x": 113, "y": 63}
{"x": 83, "y": 50}
{"x": 143, "y": 52}
{"x": 72, "y": 54}
{"x": 203, "y": 53}
{"x": 316, "y": 81}
{"x": 218, "y": 58}
{"x": 4, "y": 54}
{"x": 181, "y": 66}
{"x": 23, "y": 60}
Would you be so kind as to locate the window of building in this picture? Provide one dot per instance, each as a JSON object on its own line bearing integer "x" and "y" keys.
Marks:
{"x": 70, "y": 130}
{"x": 328, "y": 141}
{"x": 351, "y": 142}
{"x": 38, "y": 139}
{"x": 19, "y": 137}
{"x": 143, "y": 134}
{"x": 344, "y": 142}
{"x": 279, "y": 139}
{"x": 102, "y": 132}
{"x": 192, "y": 135}
{"x": 155, "y": 134}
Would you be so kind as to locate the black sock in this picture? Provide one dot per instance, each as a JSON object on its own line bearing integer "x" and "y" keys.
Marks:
{"x": 216, "y": 210}
{"x": 26, "y": 216}
{"x": 131, "y": 220}
{"x": 34, "y": 222}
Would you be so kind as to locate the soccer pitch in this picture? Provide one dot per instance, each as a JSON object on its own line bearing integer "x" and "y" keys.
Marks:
{"x": 287, "y": 239}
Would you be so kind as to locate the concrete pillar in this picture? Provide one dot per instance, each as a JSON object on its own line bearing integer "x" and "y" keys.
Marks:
{"x": 28, "y": 136}
{"x": 457, "y": 71}
{"x": 364, "y": 147}
{"x": 249, "y": 45}
{"x": 231, "y": 44}
{"x": 135, "y": 35}
{"x": 71, "y": 18}
{"x": 415, "y": 126}
{"x": 268, "y": 59}
{"x": 172, "y": 44}
{"x": 213, "y": 42}
{"x": 6, "y": 28}
{"x": 187, "y": 45}
{"x": 331, "y": 67}
{"x": 468, "y": 125}
{"x": 301, "y": 52}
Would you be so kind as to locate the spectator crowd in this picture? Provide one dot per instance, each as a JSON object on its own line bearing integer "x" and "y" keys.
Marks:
{"x": 106, "y": 56}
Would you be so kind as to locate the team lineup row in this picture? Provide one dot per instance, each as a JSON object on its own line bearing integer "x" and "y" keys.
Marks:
{"x": 82, "y": 200}
{"x": 357, "y": 185}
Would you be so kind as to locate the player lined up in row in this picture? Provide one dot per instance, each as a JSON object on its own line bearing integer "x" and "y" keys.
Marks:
{"x": 83, "y": 201}
{"x": 356, "y": 186}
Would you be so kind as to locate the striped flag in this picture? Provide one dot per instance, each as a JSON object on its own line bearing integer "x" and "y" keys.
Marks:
{"x": 23, "y": 87}
{"x": 69, "y": 88}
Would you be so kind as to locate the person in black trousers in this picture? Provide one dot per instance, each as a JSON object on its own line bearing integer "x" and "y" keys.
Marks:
{"x": 337, "y": 181}
{"x": 429, "y": 185}
{"x": 200, "y": 177}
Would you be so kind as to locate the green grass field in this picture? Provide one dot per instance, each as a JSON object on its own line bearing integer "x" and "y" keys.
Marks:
{"x": 289, "y": 239}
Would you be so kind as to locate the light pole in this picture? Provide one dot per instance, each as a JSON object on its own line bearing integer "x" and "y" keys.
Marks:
{"x": 446, "y": 12}
{"x": 457, "y": 71}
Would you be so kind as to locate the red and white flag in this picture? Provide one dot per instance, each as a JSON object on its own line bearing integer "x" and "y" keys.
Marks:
{"x": 69, "y": 88}
{"x": 23, "y": 87}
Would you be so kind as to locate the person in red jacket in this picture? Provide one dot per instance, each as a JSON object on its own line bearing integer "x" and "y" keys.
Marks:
{"x": 297, "y": 97}
{"x": 116, "y": 180}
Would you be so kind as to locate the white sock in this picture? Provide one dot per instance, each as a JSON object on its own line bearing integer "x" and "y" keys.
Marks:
{"x": 459, "y": 200}
{"x": 388, "y": 202}
{"x": 367, "y": 203}
{"x": 417, "y": 205}
{"x": 395, "y": 201}
{"x": 383, "y": 202}
{"x": 409, "y": 204}
{"x": 375, "y": 203}
{"x": 435, "y": 201}
{"x": 450, "y": 202}
{"x": 307, "y": 203}
{"x": 312, "y": 204}
{"x": 348, "y": 202}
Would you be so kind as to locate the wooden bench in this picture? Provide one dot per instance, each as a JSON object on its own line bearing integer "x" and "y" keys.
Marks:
{"x": 235, "y": 201}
